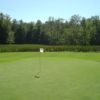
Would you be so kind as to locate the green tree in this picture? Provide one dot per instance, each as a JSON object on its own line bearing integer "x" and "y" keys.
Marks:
{"x": 30, "y": 33}
{"x": 20, "y": 33}
{"x": 88, "y": 31}
{"x": 96, "y": 37}
{"x": 73, "y": 31}
{"x": 5, "y": 28}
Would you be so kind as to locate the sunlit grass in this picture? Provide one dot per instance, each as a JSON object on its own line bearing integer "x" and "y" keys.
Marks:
{"x": 63, "y": 76}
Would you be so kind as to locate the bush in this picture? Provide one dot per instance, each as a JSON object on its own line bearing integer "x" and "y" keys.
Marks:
{"x": 48, "y": 48}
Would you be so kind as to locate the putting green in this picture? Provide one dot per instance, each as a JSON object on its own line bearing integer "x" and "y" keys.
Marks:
{"x": 64, "y": 76}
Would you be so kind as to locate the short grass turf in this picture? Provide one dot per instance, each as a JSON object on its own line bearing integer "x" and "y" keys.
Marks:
{"x": 64, "y": 76}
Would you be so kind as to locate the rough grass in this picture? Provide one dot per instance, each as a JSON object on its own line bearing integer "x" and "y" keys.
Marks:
{"x": 64, "y": 76}
{"x": 48, "y": 48}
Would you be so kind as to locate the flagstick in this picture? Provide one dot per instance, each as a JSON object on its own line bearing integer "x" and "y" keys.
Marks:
{"x": 40, "y": 64}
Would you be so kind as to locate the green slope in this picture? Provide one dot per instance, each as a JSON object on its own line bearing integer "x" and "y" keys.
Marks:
{"x": 64, "y": 76}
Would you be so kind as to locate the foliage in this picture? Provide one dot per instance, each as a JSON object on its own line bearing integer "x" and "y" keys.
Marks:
{"x": 77, "y": 31}
{"x": 53, "y": 48}
{"x": 5, "y": 28}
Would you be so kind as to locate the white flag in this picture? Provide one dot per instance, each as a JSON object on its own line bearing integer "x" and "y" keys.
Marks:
{"x": 42, "y": 50}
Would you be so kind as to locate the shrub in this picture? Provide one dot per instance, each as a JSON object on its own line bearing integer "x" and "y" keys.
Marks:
{"x": 48, "y": 48}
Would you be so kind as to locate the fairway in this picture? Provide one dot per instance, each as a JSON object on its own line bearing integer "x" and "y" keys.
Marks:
{"x": 63, "y": 76}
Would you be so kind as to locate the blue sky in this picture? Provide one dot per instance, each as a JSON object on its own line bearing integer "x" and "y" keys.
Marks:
{"x": 32, "y": 10}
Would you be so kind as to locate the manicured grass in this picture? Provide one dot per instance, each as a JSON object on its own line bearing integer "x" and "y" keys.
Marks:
{"x": 64, "y": 76}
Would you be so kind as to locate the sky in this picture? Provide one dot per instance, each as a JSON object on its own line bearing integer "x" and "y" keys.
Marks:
{"x": 32, "y": 10}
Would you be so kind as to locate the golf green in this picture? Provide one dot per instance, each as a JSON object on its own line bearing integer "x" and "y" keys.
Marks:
{"x": 63, "y": 76}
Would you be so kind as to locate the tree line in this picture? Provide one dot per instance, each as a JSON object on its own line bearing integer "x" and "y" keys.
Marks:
{"x": 76, "y": 31}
